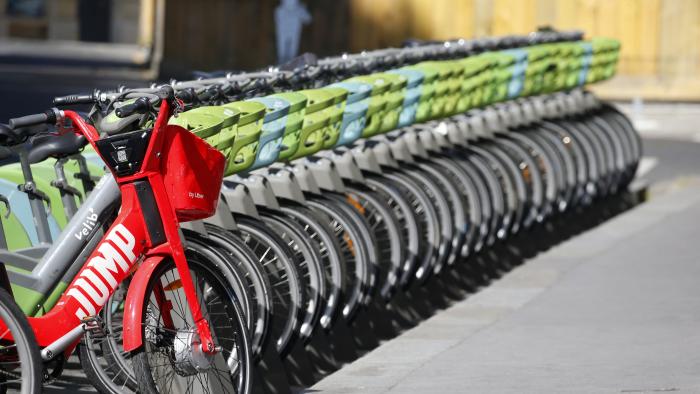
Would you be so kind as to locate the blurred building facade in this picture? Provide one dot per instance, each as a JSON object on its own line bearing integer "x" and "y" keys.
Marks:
{"x": 660, "y": 55}
{"x": 77, "y": 37}
{"x": 73, "y": 20}
{"x": 660, "y": 38}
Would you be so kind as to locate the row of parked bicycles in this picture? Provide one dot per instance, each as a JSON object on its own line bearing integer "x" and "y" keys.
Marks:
{"x": 253, "y": 232}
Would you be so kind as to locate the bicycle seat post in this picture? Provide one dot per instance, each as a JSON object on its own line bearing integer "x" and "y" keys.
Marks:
{"x": 83, "y": 174}
{"x": 68, "y": 192}
{"x": 36, "y": 198}
{"x": 3, "y": 239}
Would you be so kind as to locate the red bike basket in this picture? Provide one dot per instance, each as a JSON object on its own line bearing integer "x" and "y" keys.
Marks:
{"x": 192, "y": 174}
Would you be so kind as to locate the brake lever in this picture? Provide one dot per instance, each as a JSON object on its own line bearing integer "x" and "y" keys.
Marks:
{"x": 6, "y": 201}
{"x": 32, "y": 191}
{"x": 65, "y": 187}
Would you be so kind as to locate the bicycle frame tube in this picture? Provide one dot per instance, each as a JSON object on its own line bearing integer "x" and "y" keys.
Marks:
{"x": 109, "y": 264}
{"x": 74, "y": 238}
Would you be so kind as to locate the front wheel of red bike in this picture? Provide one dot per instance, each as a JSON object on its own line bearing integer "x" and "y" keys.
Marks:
{"x": 21, "y": 369}
{"x": 171, "y": 359}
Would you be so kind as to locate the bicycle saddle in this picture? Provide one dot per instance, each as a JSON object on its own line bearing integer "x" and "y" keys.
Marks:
{"x": 5, "y": 153}
{"x": 46, "y": 146}
{"x": 8, "y": 136}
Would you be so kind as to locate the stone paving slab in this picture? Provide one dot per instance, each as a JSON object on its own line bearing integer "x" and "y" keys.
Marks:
{"x": 613, "y": 310}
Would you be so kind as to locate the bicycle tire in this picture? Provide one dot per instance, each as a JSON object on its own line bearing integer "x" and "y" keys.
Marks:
{"x": 275, "y": 258}
{"x": 235, "y": 354}
{"x": 309, "y": 268}
{"x": 386, "y": 232}
{"x": 102, "y": 358}
{"x": 31, "y": 375}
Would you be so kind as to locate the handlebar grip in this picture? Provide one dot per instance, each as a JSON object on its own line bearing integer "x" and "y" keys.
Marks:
{"x": 185, "y": 95}
{"x": 74, "y": 99}
{"x": 208, "y": 94}
{"x": 31, "y": 120}
{"x": 6, "y": 202}
{"x": 140, "y": 105}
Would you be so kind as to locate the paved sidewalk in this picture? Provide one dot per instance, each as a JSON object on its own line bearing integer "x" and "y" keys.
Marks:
{"x": 671, "y": 121}
{"x": 614, "y": 310}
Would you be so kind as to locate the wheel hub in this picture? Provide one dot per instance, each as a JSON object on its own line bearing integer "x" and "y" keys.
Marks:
{"x": 188, "y": 356}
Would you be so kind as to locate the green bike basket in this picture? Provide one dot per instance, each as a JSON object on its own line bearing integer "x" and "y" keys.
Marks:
{"x": 441, "y": 86}
{"x": 427, "y": 95}
{"x": 245, "y": 143}
{"x": 472, "y": 67}
{"x": 316, "y": 122}
{"x": 377, "y": 103}
{"x": 355, "y": 114}
{"x": 295, "y": 120}
{"x": 414, "y": 88}
{"x": 335, "y": 115}
{"x": 393, "y": 99}
{"x": 274, "y": 124}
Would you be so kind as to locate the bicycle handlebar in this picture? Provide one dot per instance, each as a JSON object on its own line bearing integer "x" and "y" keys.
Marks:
{"x": 47, "y": 117}
{"x": 75, "y": 99}
{"x": 140, "y": 105}
{"x": 145, "y": 101}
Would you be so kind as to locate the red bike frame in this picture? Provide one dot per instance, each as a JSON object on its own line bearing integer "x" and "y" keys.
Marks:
{"x": 126, "y": 245}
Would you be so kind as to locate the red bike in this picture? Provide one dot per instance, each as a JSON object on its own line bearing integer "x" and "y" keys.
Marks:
{"x": 182, "y": 323}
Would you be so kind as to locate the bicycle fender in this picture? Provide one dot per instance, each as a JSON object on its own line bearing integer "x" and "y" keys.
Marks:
{"x": 133, "y": 309}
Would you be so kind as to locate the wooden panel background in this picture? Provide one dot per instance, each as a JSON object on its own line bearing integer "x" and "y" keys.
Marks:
{"x": 660, "y": 38}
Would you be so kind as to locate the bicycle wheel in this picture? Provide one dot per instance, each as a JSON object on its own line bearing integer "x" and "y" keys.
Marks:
{"x": 386, "y": 232}
{"x": 568, "y": 160}
{"x": 555, "y": 158}
{"x": 429, "y": 224}
{"x": 351, "y": 248}
{"x": 170, "y": 360}
{"x": 505, "y": 185}
{"x": 594, "y": 157}
{"x": 621, "y": 123}
{"x": 276, "y": 259}
{"x": 359, "y": 238}
{"x": 472, "y": 175}
{"x": 584, "y": 183}
{"x": 604, "y": 150}
{"x": 545, "y": 166}
{"x": 308, "y": 265}
{"x": 259, "y": 287}
{"x": 496, "y": 194}
{"x": 632, "y": 141}
{"x": 620, "y": 150}
{"x": 457, "y": 208}
{"x": 530, "y": 174}
{"x": 470, "y": 200}
{"x": 409, "y": 225}
{"x": 438, "y": 200}
{"x": 101, "y": 354}
{"x": 21, "y": 368}
{"x": 516, "y": 178}
{"x": 332, "y": 261}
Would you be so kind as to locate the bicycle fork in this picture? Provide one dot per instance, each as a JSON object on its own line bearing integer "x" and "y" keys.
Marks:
{"x": 171, "y": 248}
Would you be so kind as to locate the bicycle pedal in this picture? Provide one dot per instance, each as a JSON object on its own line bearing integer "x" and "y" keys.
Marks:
{"x": 95, "y": 326}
